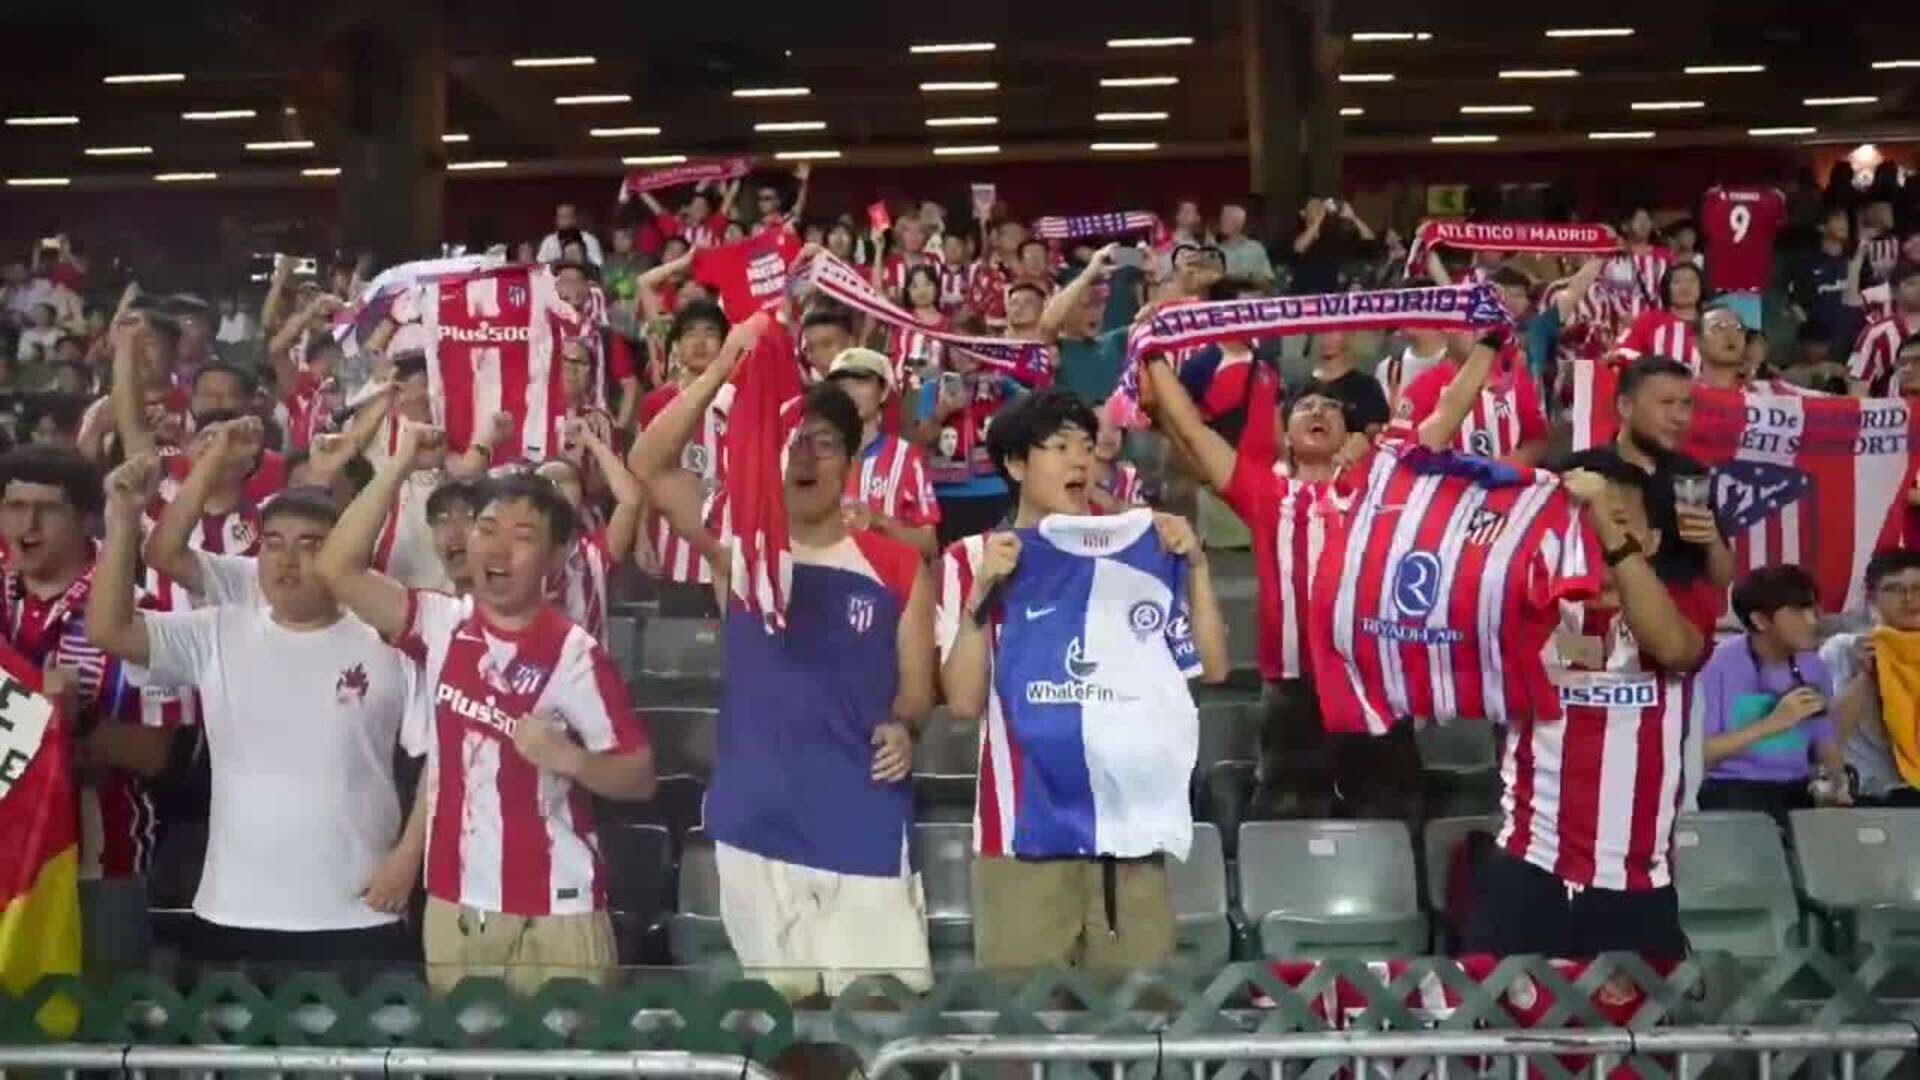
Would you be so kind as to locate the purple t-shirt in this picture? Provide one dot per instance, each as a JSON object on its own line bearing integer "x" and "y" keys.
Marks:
{"x": 1734, "y": 695}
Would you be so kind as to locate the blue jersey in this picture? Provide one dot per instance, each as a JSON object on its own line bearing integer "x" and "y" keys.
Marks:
{"x": 1091, "y": 678}
{"x": 792, "y": 776}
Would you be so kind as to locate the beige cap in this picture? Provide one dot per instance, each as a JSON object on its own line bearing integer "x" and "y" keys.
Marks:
{"x": 862, "y": 361}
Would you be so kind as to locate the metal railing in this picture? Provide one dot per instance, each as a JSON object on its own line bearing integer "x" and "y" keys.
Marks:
{"x": 393, "y": 1061}
{"x": 1690, "y": 1048}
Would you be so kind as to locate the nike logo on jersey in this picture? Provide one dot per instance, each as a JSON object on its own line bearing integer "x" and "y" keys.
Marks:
{"x": 1038, "y": 613}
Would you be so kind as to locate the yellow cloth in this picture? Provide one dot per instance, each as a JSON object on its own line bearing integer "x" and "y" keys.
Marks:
{"x": 1897, "y": 663}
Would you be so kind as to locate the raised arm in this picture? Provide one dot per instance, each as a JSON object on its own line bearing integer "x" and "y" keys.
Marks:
{"x": 344, "y": 561}
{"x": 1576, "y": 291}
{"x": 1457, "y": 398}
{"x": 802, "y": 172}
{"x": 166, "y": 549}
{"x": 1061, "y": 307}
{"x": 127, "y": 401}
{"x": 628, "y": 496}
{"x": 112, "y": 623}
{"x": 728, "y": 195}
{"x": 276, "y": 292}
{"x": 1180, "y": 419}
{"x": 969, "y": 664}
{"x": 280, "y": 349}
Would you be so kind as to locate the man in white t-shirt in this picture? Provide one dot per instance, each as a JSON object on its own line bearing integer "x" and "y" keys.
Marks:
{"x": 303, "y": 704}
{"x": 530, "y": 717}
{"x": 566, "y": 226}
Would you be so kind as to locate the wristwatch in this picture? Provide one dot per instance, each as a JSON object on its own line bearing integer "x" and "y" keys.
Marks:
{"x": 1628, "y": 548}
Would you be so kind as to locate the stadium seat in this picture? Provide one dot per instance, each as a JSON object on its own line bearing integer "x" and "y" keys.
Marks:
{"x": 946, "y": 768}
{"x": 1229, "y": 788}
{"x": 1229, "y": 731}
{"x": 1458, "y": 765}
{"x": 639, "y": 861}
{"x": 1860, "y": 869}
{"x": 695, "y": 935}
{"x": 623, "y": 643}
{"x": 683, "y": 738}
{"x": 1440, "y": 845}
{"x": 943, "y": 851}
{"x": 1318, "y": 889}
{"x": 1736, "y": 893}
{"x": 677, "y": 805}
{"x": 680, "y": 648}
{"x": 1203, "y": 939}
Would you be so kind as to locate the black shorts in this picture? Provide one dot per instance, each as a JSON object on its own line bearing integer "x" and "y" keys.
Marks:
{"x": 355, "y": 956}
{"x": 1520, "y": 909}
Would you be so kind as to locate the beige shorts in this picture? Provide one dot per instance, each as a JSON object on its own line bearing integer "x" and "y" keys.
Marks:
{"x": 525, "y": 950}
{"x": 806, "y": 931}
{"x": 1052, "y": 913}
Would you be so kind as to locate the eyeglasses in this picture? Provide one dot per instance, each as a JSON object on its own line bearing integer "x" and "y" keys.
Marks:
{"x": 820, "y": 444}
{"x": 1901, "y": 592}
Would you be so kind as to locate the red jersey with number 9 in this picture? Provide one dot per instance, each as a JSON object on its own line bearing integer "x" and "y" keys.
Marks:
{"x": 1739, "y": 225}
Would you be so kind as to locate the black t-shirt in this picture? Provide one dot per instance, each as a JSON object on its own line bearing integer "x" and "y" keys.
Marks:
{"x": 1365, "y": 403}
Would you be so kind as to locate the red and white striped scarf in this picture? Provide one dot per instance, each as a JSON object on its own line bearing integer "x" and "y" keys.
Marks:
{"x": 1526, "y": 237}
{"x": 758, "y": 425}
{"x": 691, "y": 172}
{"x": 1028, "y": 361}
{"x": 1111, "y": 223}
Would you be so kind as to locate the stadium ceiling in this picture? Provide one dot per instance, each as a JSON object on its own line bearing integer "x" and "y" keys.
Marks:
{"x": 107, "y": 95}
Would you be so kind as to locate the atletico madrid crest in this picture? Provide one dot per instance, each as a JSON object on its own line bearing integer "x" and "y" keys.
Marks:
{"x": 1484, "y": 526}
{"x": 860, "y": 613}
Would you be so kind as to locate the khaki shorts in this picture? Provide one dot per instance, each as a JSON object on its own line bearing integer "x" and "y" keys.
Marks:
{"x": 526, "y": 950}
{"x": 1053, "y": 913}
{"x": 804, "y": 931}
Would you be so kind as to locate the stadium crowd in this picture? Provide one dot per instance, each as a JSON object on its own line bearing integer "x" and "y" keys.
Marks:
{"x": 270, "y": 589}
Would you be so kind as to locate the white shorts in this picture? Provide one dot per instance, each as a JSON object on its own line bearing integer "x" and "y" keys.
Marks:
{"x": 805, "y": 931}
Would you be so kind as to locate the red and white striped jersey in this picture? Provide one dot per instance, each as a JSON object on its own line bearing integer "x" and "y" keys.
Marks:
{"x": 1396, "y": 373}
{"x": 1506, "y": 416}
{"x": 701, "y": 457}
{"x": 1437, "y": 591}
{"x": 1288, "y": 520}
{"x": 892, "y": 482}
{"x": 1877, "y": 348}
{"x": 1657, "y": 333}
{"x": 710, "y": 231}
{"x": 957, "y": 284}
{"x": 506, "y": 835}
{"x": 895, "y": 267}
{"x": 1602, "y": 315}
{"x": 304, "y": 413}
{"x": 1883, "y": 254}
{"x": 1591, "y": 797}
{"x": 913, "y": 351}
{"x": 996, "y": 795}
{"x": 989, "y": 296}
{"x": 580, "y": 585}
{"x": 1644, "y": 271}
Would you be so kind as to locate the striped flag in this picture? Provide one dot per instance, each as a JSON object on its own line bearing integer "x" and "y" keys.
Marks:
{"x": 1083, "y": 226}
{"x": 39, "y": 843}
{"x": 1815, "y": 481}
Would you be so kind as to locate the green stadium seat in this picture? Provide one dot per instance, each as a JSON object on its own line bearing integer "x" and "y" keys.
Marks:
{"x": 1459, "y": 767}
{"x": 623, "y": 643}
{"x": 696, "y": 938}
{"x": 1319, "y": 889}
{"x": 943, "y": 852}
{"x": 1736, "y": 892}
{"x": 672, "y": 648}
{"x": 1203, "y": 938}
{"x": 1860, "y": 869}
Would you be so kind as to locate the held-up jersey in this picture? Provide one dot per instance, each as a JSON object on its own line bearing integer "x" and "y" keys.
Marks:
{"x": 1739, "y": 225}
{"x": 1097, "y": 733}
{"x": 1435, "y": 596}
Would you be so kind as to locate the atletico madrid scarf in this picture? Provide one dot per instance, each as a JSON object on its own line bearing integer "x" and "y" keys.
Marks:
{"x": 758, "y": 424}
{"x": 1111, "y": 223}
{"x": 1526, "y": 237}
{"x": 692, "y": 172}
{"x": 1027, "y": 361}
{"x": 1452, "y": 307}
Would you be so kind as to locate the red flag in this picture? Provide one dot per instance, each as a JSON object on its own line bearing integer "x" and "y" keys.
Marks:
{"x": 1812, "y": 480}
{"x": 39, "y": 843}
{"x": 762, "y": 417}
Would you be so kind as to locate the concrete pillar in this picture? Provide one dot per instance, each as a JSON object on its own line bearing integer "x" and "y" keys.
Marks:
{"x": 392, "y": 94}
{"x": 1292, "y": 58}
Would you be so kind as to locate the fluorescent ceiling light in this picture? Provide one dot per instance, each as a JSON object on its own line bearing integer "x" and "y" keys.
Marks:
{"x": 1495, "y": 110}
{"x": 956, "y": 151}
{"x": 325, "y": 170}
{"x": 961, "y": 121}
{"x": 1725, "y": 69}
{"x": 1540, "y": 73}
{"x": 806, "y": 155}
{"x": 593, "y": 99}
{"x": 1391, "y": 35}
{"x": 553, "y": 61}
{"x": 1122, "y": 147}
{"x": 282, "y": 144}
{"x": 655, "y": 159}
{"x": 622, "y": 132}
{"x": 959, "y": 87}
{"x": 1147, "y": 42}
{"x": 1763, "y": 132}
{"x": 455, "y": 137}
{"x": 154, "y": 77}
{"x": 181, "y": 177}
{"x": 1131, "y": 81}
{"x": 1894, "y": 65}
{"x": 791, "y": 125}
{"x": 38, "y": 181}
{"x": 117, "y": 151}
{"x": 1366, "y": 76}
{"x": 1444, "y": 140}
{"x": 1666, "y": 106}
{"x": 1591, "y": 32}
{"x": 1615, "y": 136}
{"x": 470, "y": 166}
{"x": 1128, "y": 117}
{"x": 952, "y": 47}
{"x": 1854, "y": 99}
{"x": 42, "y": 121}
{"x": 219, "y": 114}
{"x": 771, "y": 91}
{"x": 1352, "y": 110}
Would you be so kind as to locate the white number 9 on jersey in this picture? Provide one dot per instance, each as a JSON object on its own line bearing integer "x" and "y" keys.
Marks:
{"x": 1740, "y": 219}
